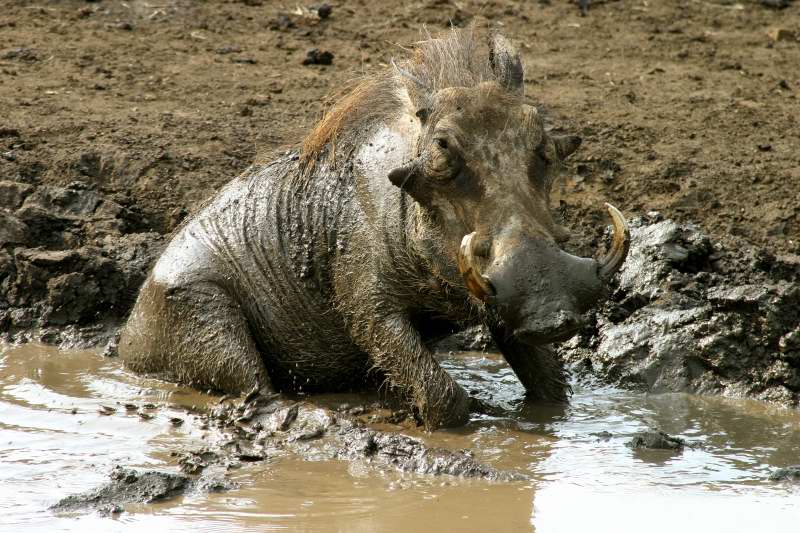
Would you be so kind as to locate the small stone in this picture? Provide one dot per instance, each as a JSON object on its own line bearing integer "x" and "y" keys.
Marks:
{"x": 655, "y": 440}
{"x": 315, "y": 56}
{"x": 281, "y": 23}
{"x": 84, "y": 12}
{"x": 789, "y": 473}
{"x": 776, "y": 4}
{"x": 324, "y": 10}
{"x": 230, "y": 49}
{"x": 22, "y": 54}
{"x": 782, "y": 34}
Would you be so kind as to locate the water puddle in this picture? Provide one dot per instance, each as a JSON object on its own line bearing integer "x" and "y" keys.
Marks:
{"x": 64, "y": 424}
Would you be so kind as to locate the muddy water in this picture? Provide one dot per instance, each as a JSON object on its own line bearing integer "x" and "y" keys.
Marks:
{"x": 54, "y": 441}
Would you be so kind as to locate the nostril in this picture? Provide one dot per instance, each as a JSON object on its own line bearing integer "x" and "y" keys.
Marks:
{"x": 561, "y": 234}
{"x": 482, "y": 248}
{"x": 567, "y": 321}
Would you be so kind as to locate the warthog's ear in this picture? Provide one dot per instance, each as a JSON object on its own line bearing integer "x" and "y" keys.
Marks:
{"x": 566, "y": 145}
{"x": 506, "y": 63}
{"x": 409, "y": 76}
{"x": 409, "y": 178}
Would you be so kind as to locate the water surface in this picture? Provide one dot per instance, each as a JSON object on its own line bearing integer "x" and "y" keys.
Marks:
{"x": 54, "y": 441}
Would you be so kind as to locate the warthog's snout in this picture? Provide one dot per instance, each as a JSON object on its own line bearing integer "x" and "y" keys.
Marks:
{"x": 539, "y": 290}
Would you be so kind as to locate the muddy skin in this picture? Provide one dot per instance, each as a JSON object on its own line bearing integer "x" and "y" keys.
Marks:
{"x": 319, "y": 271}
{"x": 693, "y": 315}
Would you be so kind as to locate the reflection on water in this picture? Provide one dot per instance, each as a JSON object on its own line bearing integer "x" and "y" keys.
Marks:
{"x": 54, "y": 441}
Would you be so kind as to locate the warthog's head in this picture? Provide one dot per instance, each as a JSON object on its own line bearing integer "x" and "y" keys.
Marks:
{"x": 483, "y": 171}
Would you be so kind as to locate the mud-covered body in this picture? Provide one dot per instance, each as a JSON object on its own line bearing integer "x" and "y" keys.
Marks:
{"x": 292, "y": 252}
{"x": 271, "y": 245}
{"x": 422, "y": 197}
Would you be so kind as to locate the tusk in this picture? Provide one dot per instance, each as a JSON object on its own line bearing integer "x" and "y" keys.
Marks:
{"x": 477, "y": 284}
{"x": 620, "y": 245}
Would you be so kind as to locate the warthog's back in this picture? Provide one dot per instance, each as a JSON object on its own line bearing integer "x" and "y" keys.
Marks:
{"x": 269, "y": 239}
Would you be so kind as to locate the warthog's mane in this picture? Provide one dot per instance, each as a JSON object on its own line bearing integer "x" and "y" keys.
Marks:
{"x": 456, "y": 59}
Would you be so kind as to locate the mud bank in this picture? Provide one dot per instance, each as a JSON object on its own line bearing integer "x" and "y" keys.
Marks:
{"x": 71, "y": 262}
{"x": 693, "y": 315}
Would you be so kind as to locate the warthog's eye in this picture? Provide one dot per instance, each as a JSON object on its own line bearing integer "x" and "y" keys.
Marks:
{"x": 443, "y": 162}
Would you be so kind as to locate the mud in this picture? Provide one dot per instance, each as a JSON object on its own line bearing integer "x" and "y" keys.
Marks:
{"x": 260, "y": 427}
{"x": 135, "y": 114}
{"x": 70, "y": 419}
{"x": 120, "y": 118}
{"x": 71, "y": 262}
{"x": 790, "y": 473}
{"x": 126, "y": 486}
{"x": 692, "y": 314}
{"x": 655, "y": 440}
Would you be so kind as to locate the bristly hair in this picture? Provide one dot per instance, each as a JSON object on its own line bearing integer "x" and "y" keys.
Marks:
{"x": 452, "y": 60}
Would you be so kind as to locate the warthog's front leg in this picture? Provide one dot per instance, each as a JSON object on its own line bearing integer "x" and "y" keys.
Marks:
{"x": 537, "y": 367}
{"x": 396, "y": 349}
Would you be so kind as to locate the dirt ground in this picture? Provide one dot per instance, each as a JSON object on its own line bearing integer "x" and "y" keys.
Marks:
{"x": 690, "y": 108}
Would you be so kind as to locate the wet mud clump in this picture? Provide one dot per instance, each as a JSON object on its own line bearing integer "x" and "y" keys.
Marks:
{"x": 261, "y": 428}
{"x": 694, "y": 315}
{"x": 71, "y": 261}
{"x": 126, "y": 486}
{"x": 655, "y": 440}
{"x": 789, "y": 473}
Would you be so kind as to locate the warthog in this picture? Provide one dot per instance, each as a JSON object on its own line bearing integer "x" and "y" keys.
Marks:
{"x": 421, "y": 198}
